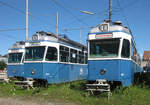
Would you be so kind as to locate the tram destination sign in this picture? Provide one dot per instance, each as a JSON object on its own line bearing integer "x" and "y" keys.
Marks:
{"x": 101, "y": 36}
{"x": 35, "y": 43}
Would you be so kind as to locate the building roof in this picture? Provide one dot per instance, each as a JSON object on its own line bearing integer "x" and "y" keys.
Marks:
{"x": 146, "y": 56}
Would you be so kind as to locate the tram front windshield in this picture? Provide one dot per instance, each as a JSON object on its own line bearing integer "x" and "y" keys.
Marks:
{"x": 104, "y": 48}
{"x": 14, "y": 58}
{"x": 34, "y": 53}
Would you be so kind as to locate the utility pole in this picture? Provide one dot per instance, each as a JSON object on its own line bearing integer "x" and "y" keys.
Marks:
{"x": 57, "y": 24}
{"x": 110, "y": 11}
{"x": 27, "y": 13}
{"x": 81, "y": 28}
{"x": 81, "y": 35}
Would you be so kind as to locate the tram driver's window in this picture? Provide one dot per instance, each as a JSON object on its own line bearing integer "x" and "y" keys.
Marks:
{"x": 125, "y": 49}
{"x": 51, "y": 54}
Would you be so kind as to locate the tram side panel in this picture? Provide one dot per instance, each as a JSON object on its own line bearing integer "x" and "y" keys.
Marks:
{"x": 72, "y": 72}
{"x": 56, "y": 72}
{"x": 126, "y": 72}
{"x": 83, "y": 72}
{"x": 51, "y": 72}
{"x": 78, "y": 72}
{"x": 64, "y": 70}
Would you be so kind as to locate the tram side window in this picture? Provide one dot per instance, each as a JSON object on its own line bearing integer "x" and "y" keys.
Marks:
{"x": 73, "y": 56}
{"x": 133, "y": 53}
{"x": 86, "y": 58}
{"x": 81, "y": 57}
{"x": 64, "y": 54}
{"x": 51, "y": 54}
{"x": 125, "y": 49}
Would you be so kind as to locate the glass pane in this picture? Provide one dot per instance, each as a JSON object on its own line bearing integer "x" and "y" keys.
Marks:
{"x": 81, "y": 57}
{"x": 34, "y": 53}
{"x": 104, "y": 48}
{"x": 133, "y": 52}
{"x": 15, "y": 58}
{"x": 73, "y": 56}
{"x": 86, "y": 58}
{"x": 125, "y": 49}
{"x": 51, "y": 54}
{"x": 64, "y": 54}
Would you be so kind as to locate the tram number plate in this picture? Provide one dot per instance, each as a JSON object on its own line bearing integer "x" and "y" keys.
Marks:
{"x": 104, "y": 36}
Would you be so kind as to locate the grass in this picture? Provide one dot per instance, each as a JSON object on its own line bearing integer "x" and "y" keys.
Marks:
{"x": 74, "y": 93}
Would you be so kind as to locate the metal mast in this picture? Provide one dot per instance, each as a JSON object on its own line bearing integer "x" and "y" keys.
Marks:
{"x": 81, "y": 35}
{"x": 57, "y": 23}
{"x": 110, "y": 11}
{"x": 27, "y": 20}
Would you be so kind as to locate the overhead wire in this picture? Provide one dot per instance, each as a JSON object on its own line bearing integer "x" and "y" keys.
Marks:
{"x": 125, "y": 18}
{"x": 126, "y": 6}
{"x": 23, "y": 12}
{"x": 9, "y": 36}
{"x": 68, "y": 11}
{"x": 10, "y": 6}
{"x": 87, "y": 17}
{"x": 13, "y": 29}
{"x": 123, "y": 14}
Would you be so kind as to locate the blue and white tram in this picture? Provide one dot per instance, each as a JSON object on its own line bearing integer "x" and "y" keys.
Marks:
{"x": 112, "y": 54}
{"x": 54, "y": 59}
{"x": 15, "y": 60}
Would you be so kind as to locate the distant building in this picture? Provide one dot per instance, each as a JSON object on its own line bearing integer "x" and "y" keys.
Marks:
{"x": 146, "y": 59}
{"x": 4, "y": 58}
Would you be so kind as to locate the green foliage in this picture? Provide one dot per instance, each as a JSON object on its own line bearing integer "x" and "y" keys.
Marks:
{"x": 75, "y": 93}
{"x": 2, "y": 65}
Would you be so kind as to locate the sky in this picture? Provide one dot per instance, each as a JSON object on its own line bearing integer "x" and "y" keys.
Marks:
{"x": 42, "y": 17}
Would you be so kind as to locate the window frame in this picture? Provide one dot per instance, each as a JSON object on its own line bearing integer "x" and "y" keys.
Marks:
{"x": 46, "y": 52}
{"x": 74, "y": 51}
{"x": 20, "y": 61}
{"x": 64, "y": 50}
{"x": 129, "y": 52}
{"x": 101, "y": 57}
{"x": 34, "y": 47}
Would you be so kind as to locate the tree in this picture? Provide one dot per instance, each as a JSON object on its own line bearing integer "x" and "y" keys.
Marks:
{"x": 2, "y": 65}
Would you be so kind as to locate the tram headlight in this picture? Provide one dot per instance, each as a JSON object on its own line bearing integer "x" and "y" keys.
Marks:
{"x": 102, "y": 71}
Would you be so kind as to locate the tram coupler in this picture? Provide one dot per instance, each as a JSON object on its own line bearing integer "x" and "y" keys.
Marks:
{"x": 28, "y": 83}
{"x": 100, "y": 85}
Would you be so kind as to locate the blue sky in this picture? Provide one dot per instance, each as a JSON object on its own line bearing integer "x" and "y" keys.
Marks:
{"x": 134, "y": 13}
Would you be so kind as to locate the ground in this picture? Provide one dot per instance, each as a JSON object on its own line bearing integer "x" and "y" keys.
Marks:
{"x": 72, "y": 94}
{"x": 17, "y": 101}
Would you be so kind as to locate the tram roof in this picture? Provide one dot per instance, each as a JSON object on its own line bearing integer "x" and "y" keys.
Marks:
{"x": 17, "y": 45}
{"x": 48, "y": 36}
{"x": 107, "y": 26}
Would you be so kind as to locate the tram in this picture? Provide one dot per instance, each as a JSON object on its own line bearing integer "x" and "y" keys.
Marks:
{"x": 54, "y": 59}
{"x": 112, "y": 54}
{"x": 15, "y": 68}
